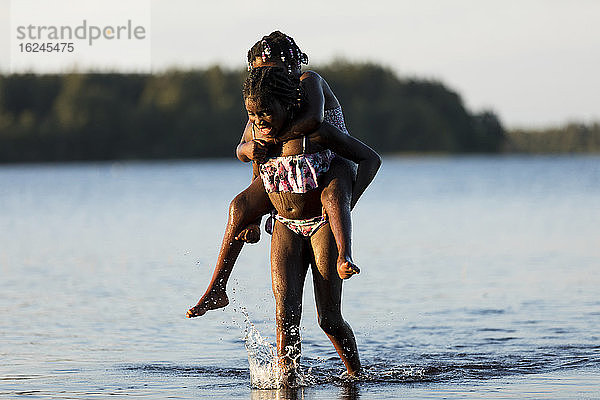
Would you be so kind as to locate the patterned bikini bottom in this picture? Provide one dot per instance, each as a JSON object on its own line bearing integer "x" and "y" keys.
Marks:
{"x": 301, "y": 227}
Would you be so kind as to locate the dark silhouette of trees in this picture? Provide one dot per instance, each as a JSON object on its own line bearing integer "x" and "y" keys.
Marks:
{"x": 571, "y": 138}
{"x": 200, "y": 113}
{"x": 409, "y": 115}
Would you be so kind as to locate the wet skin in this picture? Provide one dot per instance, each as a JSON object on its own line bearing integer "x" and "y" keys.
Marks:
{"x": 339, "y": 180}
{"x": 336, "y": 199}
{"x": 250, "y": 205}
{"x": 291, "y": 254}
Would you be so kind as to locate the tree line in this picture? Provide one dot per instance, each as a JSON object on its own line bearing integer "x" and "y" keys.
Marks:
{"x": 573, "y": 137}
{"x": 200, "y": 113}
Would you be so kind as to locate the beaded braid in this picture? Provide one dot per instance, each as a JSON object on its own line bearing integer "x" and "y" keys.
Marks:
{"x": 278, "y": 45}
{"x": 265, "y": 84}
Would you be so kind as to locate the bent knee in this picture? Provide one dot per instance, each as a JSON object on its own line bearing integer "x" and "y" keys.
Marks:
{"x": 238, "y": 208}
{"x": 331, "y": 323}
{"x": 343, "y": 168}
{"x": 330, "y": 192}
{"x": 335, "y": 193}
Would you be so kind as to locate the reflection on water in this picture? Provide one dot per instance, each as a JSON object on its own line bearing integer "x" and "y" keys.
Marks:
{"x": 277, "y": 394}
{"x": 349, "y": 391}
{"x": 476, "y": 272}
{"x": 346, "y": 391}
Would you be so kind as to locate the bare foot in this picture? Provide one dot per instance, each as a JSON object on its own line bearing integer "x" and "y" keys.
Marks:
{"x": 353, "y": 376}
{"x": 288, "y": 378}
{"x": 346, "y": 268}
{"x": 210, "y": 301}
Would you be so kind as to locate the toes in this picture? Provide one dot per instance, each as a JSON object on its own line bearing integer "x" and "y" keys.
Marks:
{"x": 193, "y": 312}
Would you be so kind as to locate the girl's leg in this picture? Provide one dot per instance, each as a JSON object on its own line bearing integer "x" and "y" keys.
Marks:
{"x": 289, "y": 265}
{"x": 328, "y": 296}
{"x": 245, "y": 208}
{"x": 336, "y": 198}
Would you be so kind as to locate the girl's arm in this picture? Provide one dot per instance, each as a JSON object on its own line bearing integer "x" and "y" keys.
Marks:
{"x": 353, "y": 149}
{"x": 252, "y": 149}
{"x": 248, "y": 150}
{"x": 313, "y": 112}
{"x": 243, "y": 151}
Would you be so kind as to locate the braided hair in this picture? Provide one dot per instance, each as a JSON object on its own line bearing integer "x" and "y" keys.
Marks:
{"x": 266, "y": 84}
{"x": 278, "y": 46}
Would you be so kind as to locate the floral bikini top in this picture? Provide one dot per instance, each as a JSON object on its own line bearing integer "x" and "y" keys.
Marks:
{"x": 300, "y": 173}
{"x": 296, "y": 174}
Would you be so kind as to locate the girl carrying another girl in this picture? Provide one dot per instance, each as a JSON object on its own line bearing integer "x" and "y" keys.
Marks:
{"x": 302, "y": 238}
{"x": 339, "y": 194}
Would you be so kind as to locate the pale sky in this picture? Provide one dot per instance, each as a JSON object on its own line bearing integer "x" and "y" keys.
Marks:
{"x": 534, "y": 62}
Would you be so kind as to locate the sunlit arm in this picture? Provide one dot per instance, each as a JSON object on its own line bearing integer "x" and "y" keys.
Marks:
{"x": 312, "y": 114}
{"x": 353, "y": 149}
{"x": 243, "y": 151}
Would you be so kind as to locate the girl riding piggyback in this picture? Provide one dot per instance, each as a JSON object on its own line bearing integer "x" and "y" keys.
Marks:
{"x": 293, "y": 175}
{"x": 339, "y": 191}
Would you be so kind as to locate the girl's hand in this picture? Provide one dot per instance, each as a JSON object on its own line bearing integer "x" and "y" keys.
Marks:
{"x": 346, "y": 269}
{"x": 256, "y": 150}
{"x": 250, "y": 234}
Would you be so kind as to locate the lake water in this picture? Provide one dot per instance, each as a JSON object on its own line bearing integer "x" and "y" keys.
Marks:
{"x": 480, "y": 278}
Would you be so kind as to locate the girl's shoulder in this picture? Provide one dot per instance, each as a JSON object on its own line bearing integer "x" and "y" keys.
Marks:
{"x": 311, "y": 80}
{"x": 310, "y": 75}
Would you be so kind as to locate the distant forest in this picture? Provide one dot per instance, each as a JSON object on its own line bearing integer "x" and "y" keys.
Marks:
{"x": 571, "y": 138}
{"x": 199, "y": 113}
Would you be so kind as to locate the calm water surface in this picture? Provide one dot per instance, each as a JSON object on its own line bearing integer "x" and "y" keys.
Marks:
{"x": 480, "y": 279}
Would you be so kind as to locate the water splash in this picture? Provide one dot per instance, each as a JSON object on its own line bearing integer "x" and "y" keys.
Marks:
{"x": 262, "y": 359}
{"x": 264, "y": 362}
{"x": 265, "y": 371}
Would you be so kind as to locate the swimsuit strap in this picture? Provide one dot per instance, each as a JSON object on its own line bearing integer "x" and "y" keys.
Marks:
{"x": 303, "y": 144}
{"x": 253, "y": 136}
